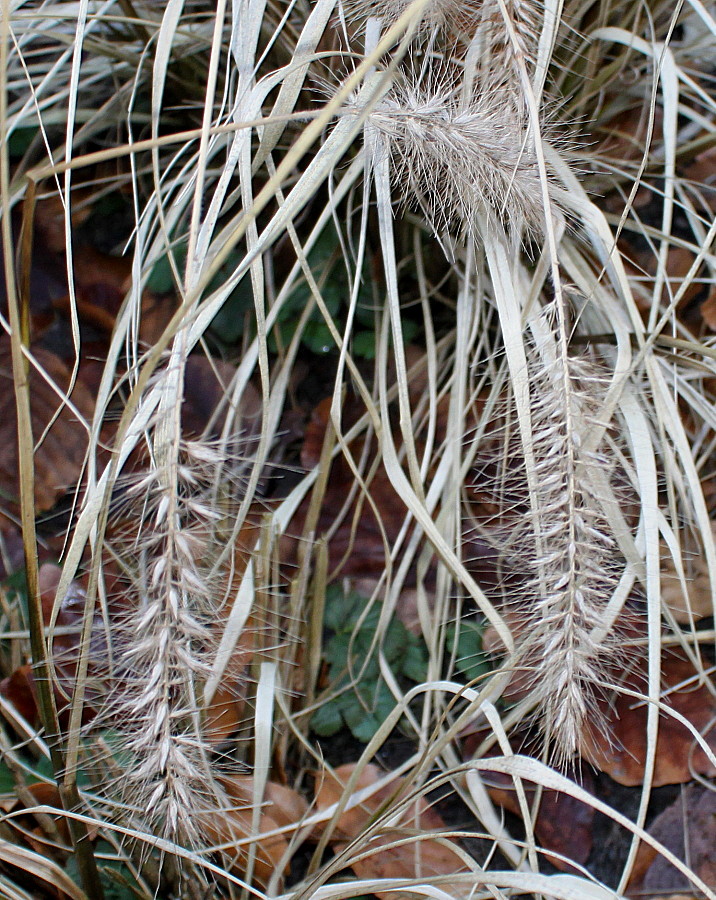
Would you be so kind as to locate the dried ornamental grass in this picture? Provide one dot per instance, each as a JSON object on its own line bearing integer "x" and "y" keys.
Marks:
{"x": 470, "y": 156}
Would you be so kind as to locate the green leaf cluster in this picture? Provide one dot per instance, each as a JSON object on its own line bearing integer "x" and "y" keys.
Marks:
{"x": 328, "y": 268}
{"x": 464, "y": 641}
{"x": 362, "y": 700}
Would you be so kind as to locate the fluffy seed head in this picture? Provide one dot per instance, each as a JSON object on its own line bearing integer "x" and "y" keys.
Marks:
{"x": 164, "y": 641}
{"x": 453, "y": 159}
{"x": 556, "y": 546}
{"x": 499, "y": 30}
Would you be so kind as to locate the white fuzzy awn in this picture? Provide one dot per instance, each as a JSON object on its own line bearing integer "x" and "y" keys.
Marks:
{"x": 470, "y": 164}
{"x": 447, "y": 14}
{"x": 464, "y": 18}
{"x": 165, "y": 644}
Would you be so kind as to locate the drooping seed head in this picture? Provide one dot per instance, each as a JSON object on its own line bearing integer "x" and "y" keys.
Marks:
{"x": 453, "y": 158}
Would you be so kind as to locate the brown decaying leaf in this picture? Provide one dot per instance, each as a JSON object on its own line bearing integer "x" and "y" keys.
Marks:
{"x": 206, "y": 382}
{"x": 101, "y": 280}
{"x": 357, "y": 545}
{"x": 331, "y": 786}
{"x": 642, "y": 266}
{"x": 696, "y": 603}
{"x": 620, "y": 749}
{"x": 363, "y": 530}
{"x": 49, "y": 219}
{"x": 697, "y": 305}
{"x": 204, "y": 415}
{"x": 419, "y": 857}
{"x": 283, "y": 808}
{"x": 29, "y": 828}
{"x": 563, "y": 824}
{"x": 688, "y": 829}
{"x": 708, "y": 310}
{"x": 12, "y": 556}
{"x": 97, "y": 304}
{"x": 60, "y": 456}
{"x": 702, "y": 172}
{"x": 19, "y": 688}
{"x": 622, "y": 136}
{"x": 223, "y": 716}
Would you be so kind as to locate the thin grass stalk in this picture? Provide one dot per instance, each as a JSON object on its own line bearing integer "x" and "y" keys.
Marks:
{"x": 19, "y": 320}
{"x": 567, "y": 603}
{"x": 295, "y": 201}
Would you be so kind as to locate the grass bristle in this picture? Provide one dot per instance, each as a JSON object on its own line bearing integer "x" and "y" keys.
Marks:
{"x": 568, "y": 544}
{"x": 404, "y": 237}
{"x": 551, "y": 539}
{"x": 483, "y": 21}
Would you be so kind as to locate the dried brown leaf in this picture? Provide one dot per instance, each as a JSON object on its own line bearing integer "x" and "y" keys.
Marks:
{"x": 232, "y": 829}
{"x": 697, "y": 602}
{"x": 60, "y": 456}
{"x": 19, "y": 689}
{"x": 688, "y": 829}
{"x": 642, "y": 265}
{"x": 708, "y": 310}
{"x": 418, "y": 857}
{"x": 563, "y": 824}
{"x": 620, "y": 748}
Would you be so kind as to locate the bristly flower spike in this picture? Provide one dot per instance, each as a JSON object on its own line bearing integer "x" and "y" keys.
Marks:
{"x": 165, "y": 643}
{"x": 576, "y": 563}
{"x": 454, "y": 159}
{"x": 493, "y": 25}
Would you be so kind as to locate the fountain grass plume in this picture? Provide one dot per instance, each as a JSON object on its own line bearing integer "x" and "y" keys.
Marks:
{"x": 165, "y": 641}
{"x": 467, "y": 151}
{"x": 454, "y": 159}
{"x": 451, "y": 15}
{"x": 488, "y": 21}
{"x": 565, "y": 545}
